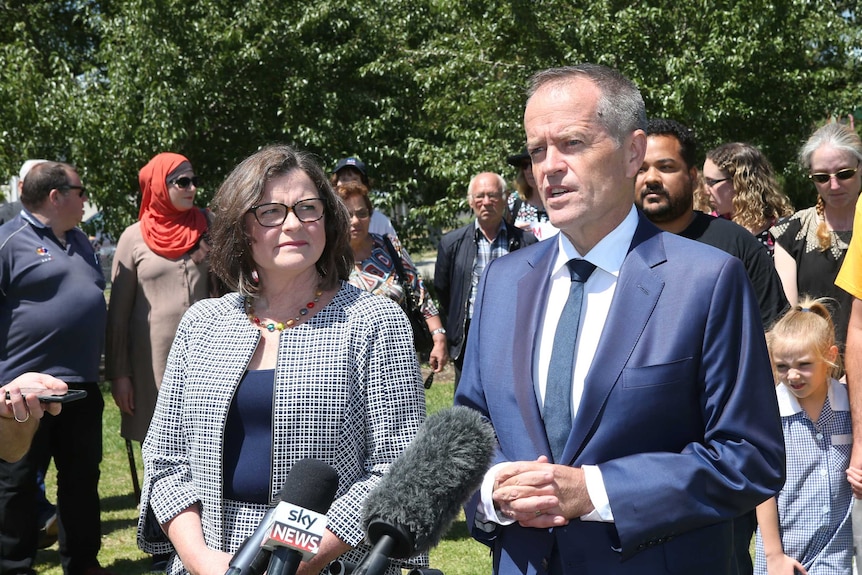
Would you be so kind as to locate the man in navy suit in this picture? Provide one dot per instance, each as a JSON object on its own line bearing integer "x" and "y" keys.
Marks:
{"x": 674, "y": 428}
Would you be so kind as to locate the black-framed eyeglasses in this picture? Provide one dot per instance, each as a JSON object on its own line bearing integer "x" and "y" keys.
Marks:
{"x": 273, "y": 214}
{"x": 712, "y": 182}
{"x": 823, "y": 177}
{"x": 82, "y": 191}
{"x": 185, "y": 181}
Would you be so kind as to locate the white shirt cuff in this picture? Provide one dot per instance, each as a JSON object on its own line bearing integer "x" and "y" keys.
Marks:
{"x": 485, "y": 511}
{"x": 598, "y": 496}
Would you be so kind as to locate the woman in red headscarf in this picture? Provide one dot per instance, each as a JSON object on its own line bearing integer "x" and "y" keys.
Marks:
{"x": 160, "y": 269}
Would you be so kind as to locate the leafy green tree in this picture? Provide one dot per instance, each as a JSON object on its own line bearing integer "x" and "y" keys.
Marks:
{"x": 427, "y": 92}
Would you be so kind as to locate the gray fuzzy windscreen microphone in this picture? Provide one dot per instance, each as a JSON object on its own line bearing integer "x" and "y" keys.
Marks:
{"x": 416, "y": 501}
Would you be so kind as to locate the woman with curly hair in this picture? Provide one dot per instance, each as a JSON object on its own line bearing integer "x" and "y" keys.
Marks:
{"x": 811, "y": 244}
{"x": 742, "y": 187}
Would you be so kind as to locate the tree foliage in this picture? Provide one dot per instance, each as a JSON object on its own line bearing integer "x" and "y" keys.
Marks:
{"x": 427, "y": 92}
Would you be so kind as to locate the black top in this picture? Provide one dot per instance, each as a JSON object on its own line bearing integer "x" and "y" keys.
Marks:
{"x": 817, "y": 269}
{"x": 759, "y": 265}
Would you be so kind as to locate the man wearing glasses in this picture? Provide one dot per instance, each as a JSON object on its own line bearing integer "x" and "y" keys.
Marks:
{"x": 52, "y": 314}
{"x": 463, "y": 254}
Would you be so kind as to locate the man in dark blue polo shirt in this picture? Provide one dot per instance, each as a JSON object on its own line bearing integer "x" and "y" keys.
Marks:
{"x": 52, "y": 318}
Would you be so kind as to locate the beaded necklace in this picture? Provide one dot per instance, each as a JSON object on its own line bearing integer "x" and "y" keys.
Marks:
{"x": 280, "y": 326}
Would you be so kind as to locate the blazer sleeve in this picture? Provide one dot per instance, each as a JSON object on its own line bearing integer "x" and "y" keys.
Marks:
{"x": 739, "y": 462}
{"x": 443, "y": 276}
{"x": 470, "y": 393}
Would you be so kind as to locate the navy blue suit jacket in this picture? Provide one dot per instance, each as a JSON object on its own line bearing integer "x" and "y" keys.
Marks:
{"x": 678, "y": 411}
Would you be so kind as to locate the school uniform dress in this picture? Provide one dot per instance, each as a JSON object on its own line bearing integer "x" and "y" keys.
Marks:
{"x": 814, "y": 504}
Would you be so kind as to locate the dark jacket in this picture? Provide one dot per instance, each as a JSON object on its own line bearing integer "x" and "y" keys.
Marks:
{"x": 453, "y": 271}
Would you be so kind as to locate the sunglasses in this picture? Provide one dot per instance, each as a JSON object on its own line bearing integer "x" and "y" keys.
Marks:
{"x": 822, "y": 177}
{"x": 360, "y": 214}
{"x": 185, "y": 181}
{"x": 82, "y": 191}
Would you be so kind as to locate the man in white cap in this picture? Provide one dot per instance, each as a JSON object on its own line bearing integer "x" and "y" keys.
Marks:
{"x": 10, "y": 209}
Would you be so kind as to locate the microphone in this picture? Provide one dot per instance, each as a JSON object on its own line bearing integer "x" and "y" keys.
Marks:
{"x": 416, "y": 501}
{"x": 299, "y": 521}
{"x": 250, "y": 559}
{"x": 341, "y": 567}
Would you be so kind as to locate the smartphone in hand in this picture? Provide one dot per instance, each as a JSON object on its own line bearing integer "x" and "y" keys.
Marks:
{"x": 52, "y": 396}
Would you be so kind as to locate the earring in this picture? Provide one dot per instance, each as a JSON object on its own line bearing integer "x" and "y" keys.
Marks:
{"x": 254, "y": 277}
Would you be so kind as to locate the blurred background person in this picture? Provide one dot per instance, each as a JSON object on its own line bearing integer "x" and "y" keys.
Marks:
{"x": 353, "y": 170}
{"x": 525, "y": 204}
{"x": 21, "y": 412}
{"x": 159, "y": 270}
{"x": 53, "y": 310}
{"x": 464, "y": 253}
{"x": 294, "y": 363}
{"x": 47, "y": 511}
{"x": 742, "y": 187}
{"x": 810, "y": 246}
{"x": 665, "y": 191}
{"x": 9, "y": 209}
{"x": 374, "y": 268}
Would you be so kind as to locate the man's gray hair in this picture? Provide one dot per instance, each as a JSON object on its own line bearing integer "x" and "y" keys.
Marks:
{"x": 620, "y": 108}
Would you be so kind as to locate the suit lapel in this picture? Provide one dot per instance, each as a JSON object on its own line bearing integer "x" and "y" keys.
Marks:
{"x": 635, "y": 298}
{"x": 531, "y": 288}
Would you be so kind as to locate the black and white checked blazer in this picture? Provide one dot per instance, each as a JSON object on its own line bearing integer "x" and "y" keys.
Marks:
{"x": 348, "y": 391}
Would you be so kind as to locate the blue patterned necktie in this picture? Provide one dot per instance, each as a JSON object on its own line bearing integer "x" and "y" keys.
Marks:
{"x": 558, "y": 390}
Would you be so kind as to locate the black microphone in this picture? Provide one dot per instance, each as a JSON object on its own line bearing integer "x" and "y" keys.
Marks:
{"x": 250, "y": 559}
{"x": 341, "y": 567}
{"x": 299, "y": 522}
{"x": 416, "y": 501}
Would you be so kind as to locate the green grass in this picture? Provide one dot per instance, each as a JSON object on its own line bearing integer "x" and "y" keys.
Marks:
{"x": 457, "y": 554}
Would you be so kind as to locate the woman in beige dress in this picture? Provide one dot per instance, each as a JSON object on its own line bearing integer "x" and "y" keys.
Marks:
{"x": 159, "y": 271}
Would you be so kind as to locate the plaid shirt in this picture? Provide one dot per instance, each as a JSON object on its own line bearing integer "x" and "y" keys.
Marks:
{"x": 347, "y": 391}
{"x": 486, "y": 252}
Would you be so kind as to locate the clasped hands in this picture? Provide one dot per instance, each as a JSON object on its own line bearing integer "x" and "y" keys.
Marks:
{"x": 541, "y": 494}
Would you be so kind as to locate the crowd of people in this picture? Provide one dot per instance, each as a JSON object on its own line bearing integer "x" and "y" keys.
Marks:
{"x": 655, "y": 335}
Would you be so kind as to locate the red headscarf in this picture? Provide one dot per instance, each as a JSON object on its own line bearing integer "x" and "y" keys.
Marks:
{"x": 167, "y": 231}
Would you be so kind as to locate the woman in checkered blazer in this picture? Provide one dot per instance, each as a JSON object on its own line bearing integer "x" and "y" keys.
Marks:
{"x": 293, "y": 363}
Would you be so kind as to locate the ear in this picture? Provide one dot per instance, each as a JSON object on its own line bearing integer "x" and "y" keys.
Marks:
{"x": 635, "y": 150}
{"x": 54, "y": 195}
{"x": 832, "y": 353}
